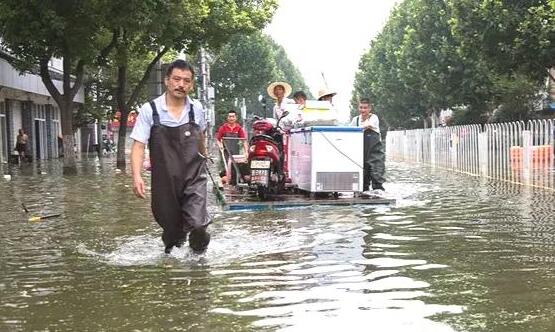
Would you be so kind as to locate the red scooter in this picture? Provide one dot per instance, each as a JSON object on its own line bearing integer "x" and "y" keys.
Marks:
{"x": 266, "y": 158}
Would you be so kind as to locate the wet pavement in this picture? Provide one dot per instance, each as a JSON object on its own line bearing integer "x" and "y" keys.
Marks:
{"x": 456, "y": 253}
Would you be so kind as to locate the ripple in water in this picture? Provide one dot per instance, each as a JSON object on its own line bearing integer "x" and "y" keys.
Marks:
{"x": 225, "y": 247}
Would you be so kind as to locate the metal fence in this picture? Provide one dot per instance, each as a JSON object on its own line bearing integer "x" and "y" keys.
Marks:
{"x": 516, "y": 152}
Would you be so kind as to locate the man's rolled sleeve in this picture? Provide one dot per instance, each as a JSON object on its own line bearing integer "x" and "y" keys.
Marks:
{"x": 141, "y": 130}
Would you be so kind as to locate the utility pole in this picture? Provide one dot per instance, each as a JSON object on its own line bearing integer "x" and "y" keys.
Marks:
{"x": 244, "y": 113}
{"x": 206, "y": 93}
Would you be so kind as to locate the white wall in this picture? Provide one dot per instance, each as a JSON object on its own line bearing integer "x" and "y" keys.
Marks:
{"x": 56, "y": 65}
{"x": 11, "y": 78}
{"x": 17, "y": 118}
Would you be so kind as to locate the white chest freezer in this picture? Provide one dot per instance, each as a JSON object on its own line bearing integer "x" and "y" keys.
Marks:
{"x": 326, "y": 158}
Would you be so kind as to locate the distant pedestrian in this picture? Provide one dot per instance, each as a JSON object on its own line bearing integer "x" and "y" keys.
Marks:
{"x": 60, "y": 145}
{"x": 374, "y": 156}
{"x": 21, "y": 144}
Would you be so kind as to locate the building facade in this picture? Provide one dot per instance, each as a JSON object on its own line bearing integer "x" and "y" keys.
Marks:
{"x": 26, "y": 104}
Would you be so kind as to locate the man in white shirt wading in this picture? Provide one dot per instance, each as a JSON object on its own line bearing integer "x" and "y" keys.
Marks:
{"x": 173, "y": 126}
{"x": 374, "y": 157}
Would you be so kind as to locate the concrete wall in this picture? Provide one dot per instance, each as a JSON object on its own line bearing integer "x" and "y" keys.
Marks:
{"x": 27, "y": 84}
{"x": 15, "y": 107}
{"x": 22, "y": 95}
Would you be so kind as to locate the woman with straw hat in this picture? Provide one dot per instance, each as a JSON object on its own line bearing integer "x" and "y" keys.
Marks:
{"x": 279, "y": 92}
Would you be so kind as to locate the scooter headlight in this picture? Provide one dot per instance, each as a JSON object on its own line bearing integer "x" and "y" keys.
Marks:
{"x": 269, "y": 148}
{"x": 251, "y": 148}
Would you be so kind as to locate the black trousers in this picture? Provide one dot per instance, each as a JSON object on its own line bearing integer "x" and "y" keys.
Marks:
{"x": 374, "y": 161}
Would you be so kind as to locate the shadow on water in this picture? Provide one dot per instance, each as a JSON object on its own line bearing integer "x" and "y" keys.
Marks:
{"x": 456, "y": 253}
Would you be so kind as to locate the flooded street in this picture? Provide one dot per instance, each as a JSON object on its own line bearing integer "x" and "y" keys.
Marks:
{"x": 456, "y": 253}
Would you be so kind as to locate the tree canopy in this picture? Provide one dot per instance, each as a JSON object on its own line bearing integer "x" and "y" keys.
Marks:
{"x": 478, "y": 58}
{"x": 35, "y": 31}
{"x": 84, "y": 33}
{"x": 244, "y": 67}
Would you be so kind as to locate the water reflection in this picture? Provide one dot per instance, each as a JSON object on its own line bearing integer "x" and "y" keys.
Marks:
{"x": 333, "y": 285}
{"x": 455, "y": 253}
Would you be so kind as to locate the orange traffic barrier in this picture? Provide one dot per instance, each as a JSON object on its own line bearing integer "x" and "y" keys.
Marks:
{"x": 541, "y": 154}
{"x": 515, "y": 153}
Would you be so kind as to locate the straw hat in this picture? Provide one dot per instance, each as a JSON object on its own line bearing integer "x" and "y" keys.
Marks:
{"x": 325, "y": 92}
{"x": 285, "y": 86}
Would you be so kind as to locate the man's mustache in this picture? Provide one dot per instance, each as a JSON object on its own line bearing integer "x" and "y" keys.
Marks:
{"x": 180, "y": 90}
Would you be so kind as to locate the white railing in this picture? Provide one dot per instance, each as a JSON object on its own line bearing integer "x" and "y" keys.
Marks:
{"x": 516, "y": 151}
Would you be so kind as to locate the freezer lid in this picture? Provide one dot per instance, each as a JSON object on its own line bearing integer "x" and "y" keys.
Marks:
{"x": 328, "y": 129}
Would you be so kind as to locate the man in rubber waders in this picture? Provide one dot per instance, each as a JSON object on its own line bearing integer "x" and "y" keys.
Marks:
{"x": 374, "y": 157}
{"x": 173, "y": 126}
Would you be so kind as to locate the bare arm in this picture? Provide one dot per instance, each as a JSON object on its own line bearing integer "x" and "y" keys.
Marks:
{"x": 137, "y": 158}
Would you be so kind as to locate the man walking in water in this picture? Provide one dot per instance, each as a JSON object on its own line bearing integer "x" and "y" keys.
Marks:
{"x": 374, "y": 157}
{"x": 173, "y": 126}
{"x": 21, "y": 144}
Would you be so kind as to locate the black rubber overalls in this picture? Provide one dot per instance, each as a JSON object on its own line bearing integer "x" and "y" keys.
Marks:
{"x": 374, "y": 166}
{"x": 178, "y": 178}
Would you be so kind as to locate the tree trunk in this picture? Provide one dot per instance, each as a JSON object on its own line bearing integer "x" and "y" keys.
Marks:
{"x": 124, "y": 111}
{"x": 124, "y": 106}
{"x": 434, "y": 118}
{"x": 70, "y": 166}
{"x": 65, "y": 103}
{"x": 122, "y": 139}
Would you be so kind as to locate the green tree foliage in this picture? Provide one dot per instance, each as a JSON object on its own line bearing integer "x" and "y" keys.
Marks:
{"x": 240, "y": 69}
{"x": 478, "y": 58}
{"x": 514, "y": 42}
{"x": 85, "y": 32}
{"x": 397, "y": 67}
{"x": 535, "y": 44}
{"x": 146, "y": 30}
{"x": 143, "y": 31}
{"x": 35, "y": 31}
{"x": 244, "y": 67}
{"x": 286, "y": 69}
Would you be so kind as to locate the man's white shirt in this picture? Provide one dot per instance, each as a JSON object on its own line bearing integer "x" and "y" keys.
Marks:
{"x": 141, "y": 130}
{"x": 372, "y": 121}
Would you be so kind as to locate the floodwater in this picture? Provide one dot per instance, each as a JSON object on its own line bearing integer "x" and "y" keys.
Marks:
{"x": 456, "y": 253}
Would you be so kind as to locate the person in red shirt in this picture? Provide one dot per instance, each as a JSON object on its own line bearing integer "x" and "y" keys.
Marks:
{"x": 235, "y": 135}
{"x": 233, "y": 130}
